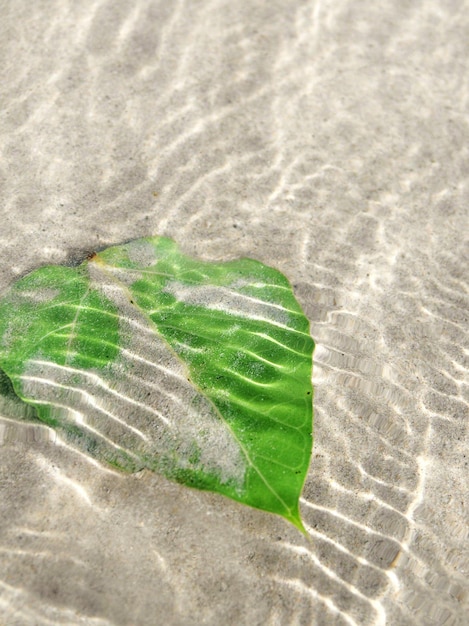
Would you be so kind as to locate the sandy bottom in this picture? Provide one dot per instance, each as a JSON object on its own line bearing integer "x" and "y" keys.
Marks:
{"x": 328, "y": 139}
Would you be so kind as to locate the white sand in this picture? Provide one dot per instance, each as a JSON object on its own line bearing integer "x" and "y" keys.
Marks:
{"x": 328, "y": 139}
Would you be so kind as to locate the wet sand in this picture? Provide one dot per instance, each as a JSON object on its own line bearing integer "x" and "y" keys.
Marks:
{"x": 326, "y": 139}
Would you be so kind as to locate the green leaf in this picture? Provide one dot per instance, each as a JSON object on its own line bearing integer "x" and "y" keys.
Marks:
{"x": 146, "y": 358}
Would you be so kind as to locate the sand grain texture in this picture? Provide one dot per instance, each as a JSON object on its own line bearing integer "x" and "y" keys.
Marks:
{"x": 328, "y": 139}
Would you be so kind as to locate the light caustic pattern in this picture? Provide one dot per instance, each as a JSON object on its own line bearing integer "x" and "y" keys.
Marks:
{"x": 327, "y": 138}
{"x": 146, "y": 358}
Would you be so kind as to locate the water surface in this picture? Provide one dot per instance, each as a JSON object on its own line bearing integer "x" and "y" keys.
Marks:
{"x": 329, "y": 140}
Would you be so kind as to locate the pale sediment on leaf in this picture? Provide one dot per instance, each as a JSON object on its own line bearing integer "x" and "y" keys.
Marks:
{"x": 228, "y": 301}
{"x": 39, "y": 295}
{"x": 142, "y": 253}
{"x": 189, "y": 430}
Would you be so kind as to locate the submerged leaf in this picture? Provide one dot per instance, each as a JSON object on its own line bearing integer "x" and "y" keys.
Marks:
{"x": 146, "y": 358}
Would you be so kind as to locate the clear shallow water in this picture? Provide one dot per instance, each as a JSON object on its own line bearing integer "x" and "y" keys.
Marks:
{"x": 329, "y": 140}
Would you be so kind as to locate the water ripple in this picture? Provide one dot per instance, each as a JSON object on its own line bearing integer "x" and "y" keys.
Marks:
{"x": 328, "y": 139}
